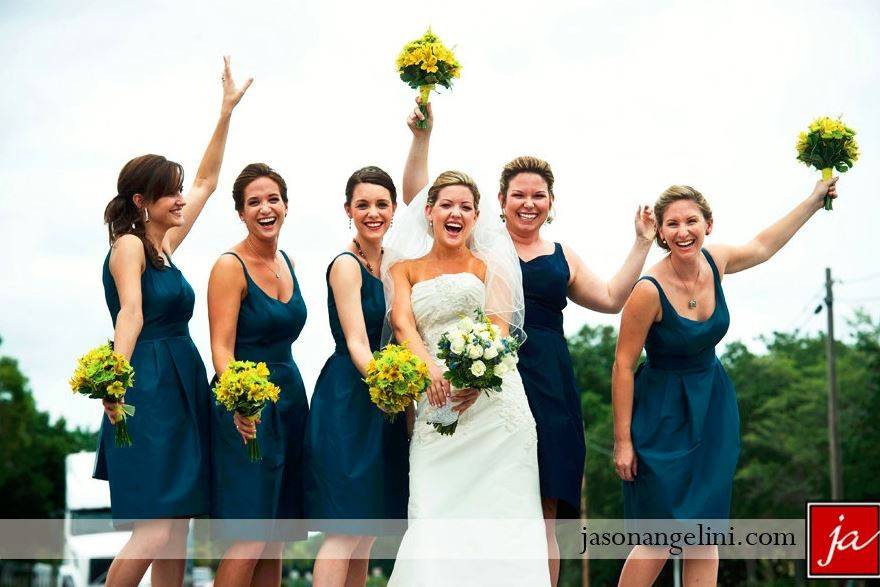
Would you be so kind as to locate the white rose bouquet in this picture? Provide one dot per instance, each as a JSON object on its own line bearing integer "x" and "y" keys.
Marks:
{"x": 476, "y": 356}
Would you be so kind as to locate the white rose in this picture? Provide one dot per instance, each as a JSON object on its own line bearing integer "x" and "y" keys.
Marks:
{"x": 500, "y": 369}
{"x": 474, "y": 351}
{"x": 490, "y": 353}
{"x": 465, "y": 324}
{"x": 496, "y": 330}
{"x": 478, "y": 368}
{"x": 456, "y": 345}
{"x": 499, "y": 346}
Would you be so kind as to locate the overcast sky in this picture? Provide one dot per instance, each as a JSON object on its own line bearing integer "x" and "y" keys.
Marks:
{"x": 623, "y": 99}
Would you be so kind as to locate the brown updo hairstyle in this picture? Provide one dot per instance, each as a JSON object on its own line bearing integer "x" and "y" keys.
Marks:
{"x": 526, "y": 164}
{"x": 151, "y": 176}
{"x": 675, "y": 193}
{"x": 449, "y": 178}
{"x": 373, "y": 175}
{"x": 253, "y": 172}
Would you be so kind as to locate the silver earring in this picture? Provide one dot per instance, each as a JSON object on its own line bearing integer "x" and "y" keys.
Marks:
{"x": 503, "y": 217}
{"x": 551, "y": 215}
{"x": 146, "y": 216}
{"x": 349, "y": 222}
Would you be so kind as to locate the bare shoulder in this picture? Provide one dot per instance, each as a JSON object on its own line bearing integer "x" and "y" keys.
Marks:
{"x": 127, "y": 249}
{"x": 644, "y": 292}
{"x": 227, "y": 268}
{"x": 345, "y": 267}
{"x": 478, "y": 267}
{"x": 720, "y": 254}
{"x": 403, "y": 269}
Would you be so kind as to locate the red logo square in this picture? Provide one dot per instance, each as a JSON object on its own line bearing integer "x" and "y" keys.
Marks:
{"x": 843, "y": 540}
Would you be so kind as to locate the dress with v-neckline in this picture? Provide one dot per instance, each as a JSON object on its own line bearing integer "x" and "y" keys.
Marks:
{"x": 266, "y": 328}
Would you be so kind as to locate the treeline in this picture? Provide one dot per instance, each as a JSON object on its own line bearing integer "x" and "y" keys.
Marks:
{"x": 32, "y": 450}
{"x": 783, "y": 462}
{"x": 783, "y": 406}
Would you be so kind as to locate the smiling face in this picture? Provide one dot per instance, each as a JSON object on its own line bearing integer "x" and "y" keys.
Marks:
{"x": 371, "y": 210}
{"x": 453, "y": 215}
{"x": 527, "y": 203}
{"x": 684, "y": 228}
{"x": 263, "y": 209}
{"x": 166, "y": 211}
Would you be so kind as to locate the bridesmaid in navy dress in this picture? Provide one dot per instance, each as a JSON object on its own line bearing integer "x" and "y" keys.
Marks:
{"x": 356, "y": 463}
{"x": 256, "y": 312}
{"x": 160, "y": 481}
{"x": 552, "y": 275}
{"x": 676, "y": 422}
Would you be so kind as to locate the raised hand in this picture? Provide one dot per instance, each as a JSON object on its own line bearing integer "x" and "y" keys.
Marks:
{"x": 231, "y": 93}
{"x": 825, "y": 188}
{"x": 417, "y": 115}
{"x": 646, "y": 226}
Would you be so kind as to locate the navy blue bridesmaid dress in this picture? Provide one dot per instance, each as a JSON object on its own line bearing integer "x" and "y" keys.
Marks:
{"x": 685, "y": 421}
{"x": 548, "y": 378}
{"x": 356, "y": 463}
{"x": 270, "y": 488}
{"x": 165, "y": 472}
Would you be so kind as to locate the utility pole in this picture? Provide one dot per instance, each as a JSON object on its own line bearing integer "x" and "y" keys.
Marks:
{"x": 833, "y": 443}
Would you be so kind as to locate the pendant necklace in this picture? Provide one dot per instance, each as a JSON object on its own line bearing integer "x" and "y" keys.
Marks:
{"x": 274, "y": 271}
{"x": 692, "y": 302}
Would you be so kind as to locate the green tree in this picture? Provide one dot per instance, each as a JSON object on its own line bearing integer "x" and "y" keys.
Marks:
{"x": 32, "y": 450}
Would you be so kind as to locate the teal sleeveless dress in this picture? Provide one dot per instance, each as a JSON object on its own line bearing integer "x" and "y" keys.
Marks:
{"x": 548, "y": 378}
{"x": 165, "y": 472}
{"x": 356, "y": 463}
{"x": 685, "y": 421}
{"x": 269, "y": 488}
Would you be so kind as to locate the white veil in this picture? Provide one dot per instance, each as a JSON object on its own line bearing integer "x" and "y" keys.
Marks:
{"x": 411, "y": 237}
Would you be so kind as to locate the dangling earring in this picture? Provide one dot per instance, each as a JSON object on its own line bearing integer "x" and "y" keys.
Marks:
{"x": 349, "y": 222}
{"x": 551, "y": 215}
{"x": 390, "y": 224}
{"x": 146, "y": 216}
{"x": 503, "y": 217}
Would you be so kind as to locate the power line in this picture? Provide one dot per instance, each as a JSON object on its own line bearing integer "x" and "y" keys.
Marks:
{"x": 858, "y": 279}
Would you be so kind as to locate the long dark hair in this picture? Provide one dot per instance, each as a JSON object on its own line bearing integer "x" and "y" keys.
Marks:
{"x": 151, "y": 176}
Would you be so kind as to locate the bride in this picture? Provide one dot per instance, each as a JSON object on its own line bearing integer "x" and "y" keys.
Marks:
{"x": 474, "y": 506}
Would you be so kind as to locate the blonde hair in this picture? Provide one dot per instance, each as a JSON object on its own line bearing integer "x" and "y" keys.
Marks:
{"x": 450, "y": 178}
{"x": 526, "y": 164}
{"x": 675, "y": 193}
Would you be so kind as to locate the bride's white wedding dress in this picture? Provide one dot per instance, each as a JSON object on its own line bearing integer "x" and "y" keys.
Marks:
{"x": 474, "y": 505}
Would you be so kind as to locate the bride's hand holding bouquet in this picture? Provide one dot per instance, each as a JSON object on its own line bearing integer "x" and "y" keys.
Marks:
{"x": 476, "y": 356}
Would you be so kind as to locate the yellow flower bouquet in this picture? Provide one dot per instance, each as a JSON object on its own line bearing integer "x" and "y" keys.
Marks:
{"x": 103, "y": 374}
{"x": 827, "y": 144}
{"x": 424, "y": 63}
{"x": 244, "y": 387}
{"x": 396, "y": 378}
